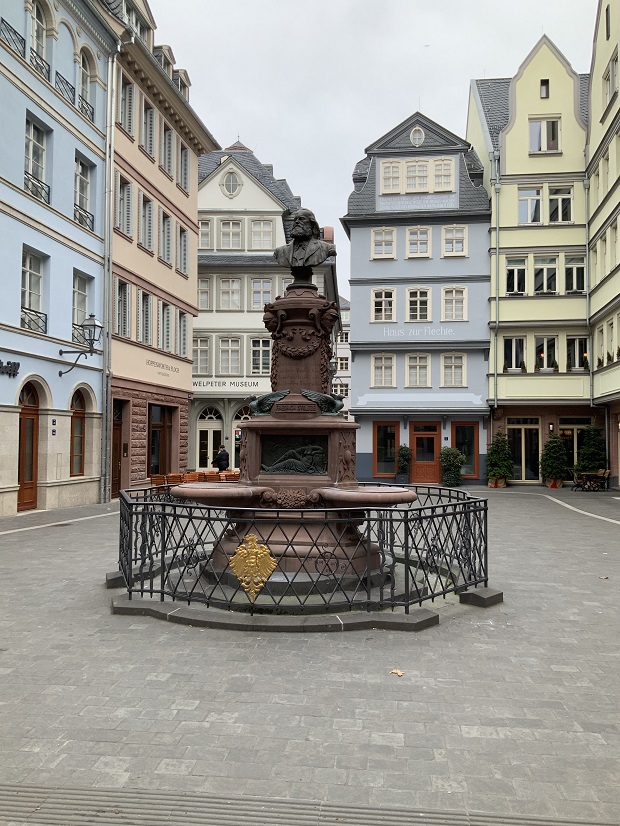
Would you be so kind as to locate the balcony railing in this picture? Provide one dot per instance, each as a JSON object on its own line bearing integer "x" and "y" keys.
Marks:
{"x": 86, "y": 109}
{"x": 13, "y": 38}
{"x": 33, "y": 320}
{"x": 78, "y": 335}
{"x": 66, "y": 89}
{"x": 41, "y": 65}
{"x": 36, "y": 187}
{"x": 83, "y": 217}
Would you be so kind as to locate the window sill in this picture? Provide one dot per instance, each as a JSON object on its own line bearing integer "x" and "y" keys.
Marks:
{"x": 422, "y": 255}
{"x": 166, "y": 173}
{"x": 146, "y": 250}
{"x": 164, "y": 262}
{"x": 561, "y": 223}
{"x": 546, "y": 292}
{"x": 544, "y": 153}
{"x": 181, "y": 273}
{"x": 183, "y": 190}
{"x": 382, "y": 258}
{"x": 147, "y": 154}
{"x": 454, "y": 255}
{"x": 120, "y": 232}
{"x": 514, "y": 294}
{"x": 127, "y": 134}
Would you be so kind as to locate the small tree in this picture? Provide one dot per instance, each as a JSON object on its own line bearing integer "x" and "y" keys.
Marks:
{"x": 500, "y": 464}
{"x": 404, "y": 458}
{"x": 592, "y": 454}
{"x": 553, "y": 463}
{"x": 452, "y": 460}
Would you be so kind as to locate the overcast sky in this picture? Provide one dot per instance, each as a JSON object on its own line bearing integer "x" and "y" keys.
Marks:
{"x": 307, "y": 86}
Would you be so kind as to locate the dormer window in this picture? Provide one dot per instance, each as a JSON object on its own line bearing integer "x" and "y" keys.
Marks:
{"x": 403, "y": 177}
{"x": 230, "y": 183}
{"x": 135, "y": 22}
{"x": 417, "y": 136}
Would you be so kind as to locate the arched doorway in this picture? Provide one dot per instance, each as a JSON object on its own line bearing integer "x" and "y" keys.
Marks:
{"x": 210, "y": 437}
{"x": 28, "y": 448}
{"x": 242, "y": 415}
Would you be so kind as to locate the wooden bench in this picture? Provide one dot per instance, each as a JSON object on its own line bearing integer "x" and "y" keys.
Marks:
{"x": 591, "y": 480}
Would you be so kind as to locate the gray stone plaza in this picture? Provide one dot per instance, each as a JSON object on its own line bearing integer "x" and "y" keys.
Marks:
{"x": 511, "y": 711}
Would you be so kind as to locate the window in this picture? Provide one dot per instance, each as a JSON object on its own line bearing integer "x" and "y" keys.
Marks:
{"x": 529, "y": 206}
{"x": 147, "y": 128}
{"x": 418, "y": 242}
{"x": 343, "y": 363}
{"x": 122, "y": 324}
{"x": 78, "y": 422}
{"x": 610, "y": 80}
{"x": 417, "y": 136}
{"x": 453, "y": 370}
{"x": 124, "y": 217}
{"x": 34, "y": 162}
{"x": 454, "y": 304}
{"x": 32, "y": 277}
{"x": 145, "y": 229}
{"x": 182, "y": 249}
{"x": 86, "y": 77}
{"x": 166, "y": 159}
{"x": 165, "y": 237}
{"x": 80, "y": 306}
{"x": 454, "y": 240}
{"x": 183, "y": 167}
{"x": 164, "y": 327}
{"x": 230, "y": 184}
{"x": 600, "y": 347}
{"x": 574, "y": 271}
{"x": 135, "y": 22}
{"x": 465, "y": 439}
{"x": 546, "y": 353}
{"x": 204, "y": 235}
{"x": 230, "y": 235}
{"x": 514, "y": 353}
{"x": 82, "y": 194}
{"x": 419, "y": 175}
{"x": 576, "y": 352}
{"x": 515, "y": 275}
{"x": 261, "y": 356}
{"x": 382, "y": 370}
{"x": 261, "y": 292}
{"x": 383, "y": 305}
{"x": 544, "y": 88}
{"x": 418, "y": 370}
{"x": 125, "y": 105}
{"x": 545, "y": 270}
{"x": 182, "y": 333}
{"x": 544, "y": 135}
{"x": 39, "y": 29}
{"x": 230, "y": 294}
{"x": 343, "y": 337}
{"x": 386, "y": 436}
{"x": 607, "y": 22}
{"x": 383, "y": 243}
{"x": 204, "y": 294}
{"x": 560, "y": 204}
{"x": 230, "y": 356}
{"x": 145, "y": 317}
{"x": 200, "y": 356}
{"x": 262, "y": 235}
{"x": 419, "y": 304}
{"x": 342, "y": 388}
{"x": 345, "y": 316}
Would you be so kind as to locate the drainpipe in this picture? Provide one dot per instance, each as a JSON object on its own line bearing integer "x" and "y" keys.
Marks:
{"x": 496, "y": 189}
{"x": 586, "y": 186}
{"x": 106, "y": 381}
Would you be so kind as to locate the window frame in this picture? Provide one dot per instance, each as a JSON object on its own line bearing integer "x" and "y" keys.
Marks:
{"x": 125, "y": 110}
{"x": 572, "y": 265}
{"x": 410, "y": 296}
{"x": 147, "y": 126}
{"x": 198, "y": 349}
{"x": 144, "y": 332}
{"x": 409, "y": 231}
{"x": 78, "y": 415}
{"x": 202, "y": 291}
{"x": 166, "y": 148}
{"x": 205, "y": 230}
{"x": 225, "y": 225}
{"x": 145, "y": 226}
{"x": 444, "y": 367}
{"x": 545, "y": 122}
{"x": 122, "y": 308}
{"x": 164, "y": 326}
{"x": 518, "y": 271}
{"x": 230, "y": 350}
{"x": 514, "y": 362}
{"x": 445, "y": 299}
{"x": 123, "y": 213}
{"x": 545, "y": 265}
{"x": 445, "y": 241}
{"x": 79, "y": 296}
{"x": 376, "y": 241}
{"x": 261, "y": 231}
{"x": 405, "y": 176}
{"x": 376, "y": 425}
{"x": 182, "y": 249}
{"x": 183, "y": 163}
{"x": 525, "y": 197}
{"x": 164, "y": 247}
{"x": 387, "y": 303}
{"x": 374, "y": 366}
{"x": 562, "y": 197}
{"x": 182, "y": 333}
{"x": 549, "y": 355}
{"x": 261, "y": 294}
{"x": 230, "y": 290}
{"x": 427, "y": 366}
{"x": 573, "y": 349}
{"x": 260, "y": 356}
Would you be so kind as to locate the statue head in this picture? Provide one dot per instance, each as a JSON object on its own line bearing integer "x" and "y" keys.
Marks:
{"x": 305, "y": 225}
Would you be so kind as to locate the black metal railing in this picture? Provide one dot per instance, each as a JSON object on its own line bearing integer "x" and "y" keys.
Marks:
{"x": 322, "y": 560}
{"x": 12, "y": 37}
{"x": 40, "y": 64}
{"x": 83, "y": 217}
{"x": 36, "y": 187}
{"x": 78, "y": 335}
{"x": 33, "y": 320}
{"x": 66, "y": 89}
{"x": 86, "y": 109}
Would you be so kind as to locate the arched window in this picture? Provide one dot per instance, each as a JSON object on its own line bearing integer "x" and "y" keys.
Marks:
{"x": 244, "y": 414}
{"x": 210, "y": 414}
{"x": 78, "y": 421}
{"x": 38, "y": 28}
{"x": 85, "y": 76}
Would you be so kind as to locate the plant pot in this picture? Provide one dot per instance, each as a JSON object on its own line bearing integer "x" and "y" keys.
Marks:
{"x": 554, "y": 483}
{"x": 402, "y": 478}
{"x": 497, "y": 482}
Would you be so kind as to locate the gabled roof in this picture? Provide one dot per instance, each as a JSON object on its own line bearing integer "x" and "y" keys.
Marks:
{"x": 262, "y": 173}
{"x": 436, "y": 139}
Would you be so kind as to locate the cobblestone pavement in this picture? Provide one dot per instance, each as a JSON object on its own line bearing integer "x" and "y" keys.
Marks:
{"x": 511, "y": 710}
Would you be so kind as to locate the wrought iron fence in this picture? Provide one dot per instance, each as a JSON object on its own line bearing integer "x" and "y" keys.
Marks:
{"x": 36, "y": 187}
{"x": 66, "y": 89}
{"x": 33, "y": 320}
{"x": 12, "y": 37}
{"x": 302, "y": 561}
{"x": 83, "y": 217}
{"x": 39, "y": 64}
{"x": 85, "y": 108}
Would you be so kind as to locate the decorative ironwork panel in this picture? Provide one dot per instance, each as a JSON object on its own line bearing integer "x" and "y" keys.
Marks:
{"x": 36, "y": 187}
{"x": 39, "y": 64}
{"x": 33, "y": 320}
{"x": 83, "y": 217}
{"x": 12, "y": 37}
{"x": 86, "y": 109}
{"x": 66, "y": 89}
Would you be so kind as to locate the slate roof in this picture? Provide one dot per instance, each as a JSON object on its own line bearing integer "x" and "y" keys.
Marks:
{"x": 246, "y": 159}
{"x": 495, "y": 99}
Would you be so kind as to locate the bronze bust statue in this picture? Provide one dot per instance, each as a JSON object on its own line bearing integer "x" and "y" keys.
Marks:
{"x": 306, "y": 250}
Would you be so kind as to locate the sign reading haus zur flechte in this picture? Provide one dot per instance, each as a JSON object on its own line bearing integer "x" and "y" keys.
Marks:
{"x": 9, "y": 368}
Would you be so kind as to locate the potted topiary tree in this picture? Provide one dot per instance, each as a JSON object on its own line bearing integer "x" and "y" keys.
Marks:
{"x": 403, "y": 463}
{"x": 451, "y": 460}
{"x": 500, "y": 464}
{"x": 553, "y": 463}
{"x": 592, "y": 455}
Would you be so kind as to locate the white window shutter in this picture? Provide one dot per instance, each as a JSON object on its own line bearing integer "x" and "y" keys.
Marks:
{"x": 117, "y": 199}
{"x": 160, "y": 325}
{"x": 160, "y": 225}
{"x": 150, "y": 132}
{"x": 127, "y": 218}
{"x": 141, "y": 222}
{"x": 115, "y": 292}
{"x": 139, "y": 336}
{"x": 130, "y": 108}
{"x": 147, "y": 319}
{"x": 169, "y": 239}
{"x": 148, "y": 241}
{"x": 127, "y": 314}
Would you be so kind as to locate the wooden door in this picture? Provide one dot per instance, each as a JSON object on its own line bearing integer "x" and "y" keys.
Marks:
{"x": 117, "y": 453}
{"x": 27, "y": 475}
{"x": 425, "y": 444}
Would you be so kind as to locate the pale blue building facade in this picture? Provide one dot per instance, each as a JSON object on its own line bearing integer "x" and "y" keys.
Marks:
{"x": 54, "y": 64}
{"x": 418, "y": 221}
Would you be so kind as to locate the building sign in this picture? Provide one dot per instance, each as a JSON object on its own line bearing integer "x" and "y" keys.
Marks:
{"x": 414, "y": 332}
{"x": 231, "y": 384}
{"x": 9, "y": 368}
{"x": 163, "y": 369}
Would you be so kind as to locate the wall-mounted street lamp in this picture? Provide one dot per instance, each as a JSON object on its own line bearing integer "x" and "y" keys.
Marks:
{"x": 92, "y": 330}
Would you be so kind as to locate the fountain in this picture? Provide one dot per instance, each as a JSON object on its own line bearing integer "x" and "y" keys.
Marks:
{"x": 297, "y": 452}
